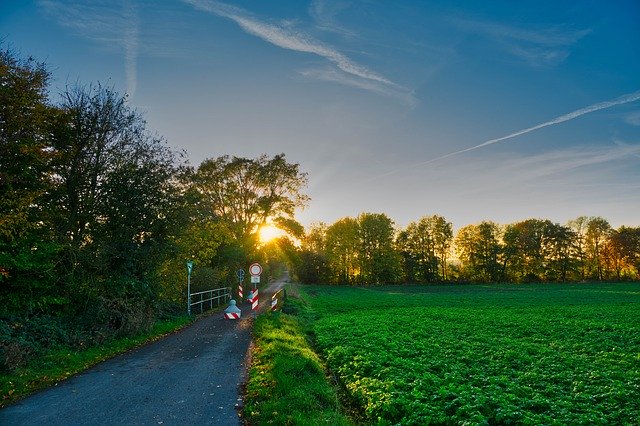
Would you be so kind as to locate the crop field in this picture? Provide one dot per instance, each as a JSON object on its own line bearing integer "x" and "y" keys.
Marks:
{"x": 499, "y": 354}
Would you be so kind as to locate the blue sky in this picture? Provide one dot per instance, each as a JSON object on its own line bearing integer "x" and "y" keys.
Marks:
{"x": 496, "y": 111}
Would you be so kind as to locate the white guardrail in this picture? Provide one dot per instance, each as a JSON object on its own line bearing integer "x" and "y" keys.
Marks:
{"x": 217, "y": 294}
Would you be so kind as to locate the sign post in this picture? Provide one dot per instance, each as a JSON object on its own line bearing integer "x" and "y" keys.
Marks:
{"x": 255, "y": 270}
{"x": 240, "y": 274}
{"x": 189, "y": 269}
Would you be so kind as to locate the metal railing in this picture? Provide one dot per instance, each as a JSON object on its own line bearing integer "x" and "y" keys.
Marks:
{"x": 217, "y": 294}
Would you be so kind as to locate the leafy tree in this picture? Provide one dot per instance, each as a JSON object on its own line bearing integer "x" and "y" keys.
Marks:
{"x": 579, "y": 228}
{"x": 342, "y": 249}
{"x": 27, "y": 251}
{"x": 622, "y": 252}
{"x": 426, "y": 245}
{"x": 598, "y": 231}
{"x": 114, "y": 199}
{"x": 313, "y": 265}
{"x": 523, "y": 243}
{"x": 246, "y": 193}
{"x": 536, "y": 250}
{"x": 377, "y": 258}
{"x": 558, "y": 251}
{"x": 479, "y": 249}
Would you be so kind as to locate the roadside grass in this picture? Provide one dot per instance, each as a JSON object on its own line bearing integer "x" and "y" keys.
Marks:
{"x": 287, "y": 382}
{"x": 62, "y": 363}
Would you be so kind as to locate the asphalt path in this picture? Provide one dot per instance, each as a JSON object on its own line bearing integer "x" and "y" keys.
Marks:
{"x": 190, "y": 377}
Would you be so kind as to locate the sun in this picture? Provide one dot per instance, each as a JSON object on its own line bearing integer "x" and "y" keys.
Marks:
{"x": 269, "y": 233}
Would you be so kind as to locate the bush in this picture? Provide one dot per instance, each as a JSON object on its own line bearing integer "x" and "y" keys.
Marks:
{"x": 23, "y": 338}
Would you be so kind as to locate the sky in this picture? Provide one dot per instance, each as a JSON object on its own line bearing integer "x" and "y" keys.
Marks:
{"x": 474, "y": 111}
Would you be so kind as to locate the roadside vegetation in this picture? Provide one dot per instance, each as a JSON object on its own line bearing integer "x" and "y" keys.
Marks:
{"x": 98, "y": 215}
{"x": 288, "y": 382}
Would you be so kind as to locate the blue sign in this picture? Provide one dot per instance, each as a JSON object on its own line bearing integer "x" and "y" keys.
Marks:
{"x": 240, "y": 274}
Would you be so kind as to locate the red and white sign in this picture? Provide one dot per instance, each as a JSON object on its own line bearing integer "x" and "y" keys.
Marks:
{"x": 231, "y": 315}
{"x": 255, "y": 269}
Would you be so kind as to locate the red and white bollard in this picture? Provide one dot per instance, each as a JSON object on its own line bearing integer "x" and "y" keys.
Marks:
{"x": 232, "y": 312}
{"x": 253, "y": 299}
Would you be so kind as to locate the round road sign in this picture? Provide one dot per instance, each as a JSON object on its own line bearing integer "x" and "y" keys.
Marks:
{"x": 255, "y": 269}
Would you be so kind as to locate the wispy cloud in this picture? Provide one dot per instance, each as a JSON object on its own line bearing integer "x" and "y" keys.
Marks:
{"x": 337, "y": 76}
{"x": 559, "y": 162}
{"x": 633, "y": 118}
{"x": 104, "y": 22}
{"x": 287, "y": 38}
{"x": 544, "y": 45}
{"x": 325, "y": 13}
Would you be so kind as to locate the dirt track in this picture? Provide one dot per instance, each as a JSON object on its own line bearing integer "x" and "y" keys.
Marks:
{"x": 191, "y": 377}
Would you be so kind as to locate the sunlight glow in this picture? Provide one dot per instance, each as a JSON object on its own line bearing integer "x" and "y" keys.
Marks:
{"x": 269, "y": 232}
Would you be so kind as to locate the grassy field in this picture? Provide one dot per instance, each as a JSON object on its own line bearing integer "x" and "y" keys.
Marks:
{"x": 498, "y": 354}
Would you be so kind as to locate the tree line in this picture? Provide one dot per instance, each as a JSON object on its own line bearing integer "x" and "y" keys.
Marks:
{"x": 368, "y": 250}
{"x": 98, "y": 215}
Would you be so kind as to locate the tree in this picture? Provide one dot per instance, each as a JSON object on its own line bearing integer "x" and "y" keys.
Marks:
{"x": 246, "y": 193}
{"x": 622, "y": 252}
{"x": 342, "y": 248}
{"x": 377, "y": 258}
{"x": 523, "y": 242}
{"x": 579, "y": 228}
{"x": 313, "y": 266}
{"x": 426, "y": 245}
{"x": 27, "y": 249}
{"x": 598, "y": 231}
{"x": 114, "y": 203}
{"x": 558, "y": 252}
{"x": 536, "y": 250}
{"x": 479, "y": 248}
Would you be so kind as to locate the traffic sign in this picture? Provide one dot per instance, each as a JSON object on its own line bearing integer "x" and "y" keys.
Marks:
{"x": 240, "y": 274}
{"x": 255, "y": 279}
{"x": 255, "y": 269}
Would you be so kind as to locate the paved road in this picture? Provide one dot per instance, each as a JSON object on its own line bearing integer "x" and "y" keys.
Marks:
{"x": 191, "y": 377}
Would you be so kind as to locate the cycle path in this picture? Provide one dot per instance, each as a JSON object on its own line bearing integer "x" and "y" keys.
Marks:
{"x": 190, "y": 377}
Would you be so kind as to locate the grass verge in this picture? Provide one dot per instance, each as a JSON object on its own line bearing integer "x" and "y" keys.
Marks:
{"x": 287, "y": 382}
{"x": 61, "y": 363}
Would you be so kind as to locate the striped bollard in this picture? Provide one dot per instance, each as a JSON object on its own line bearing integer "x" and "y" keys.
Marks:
{"x": 231, "y": 315}
{"x": 274, "y": 304}
{"x": 240, "y": 291}
{"x": 232, "y": 312}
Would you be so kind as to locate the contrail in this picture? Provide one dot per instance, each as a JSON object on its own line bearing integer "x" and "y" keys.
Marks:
{"x": 624, "y": 99}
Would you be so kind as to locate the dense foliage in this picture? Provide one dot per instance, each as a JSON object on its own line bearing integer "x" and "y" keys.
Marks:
{"x": 98, "y": 216}
{"x": 484, "y": 355}
{"x": 367, "y": 250}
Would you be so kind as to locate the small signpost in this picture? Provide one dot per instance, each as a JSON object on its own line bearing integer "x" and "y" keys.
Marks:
{"x": 255, "y": 270}
{"x": 189, "y": 269}
{"x": 240, "y": 274}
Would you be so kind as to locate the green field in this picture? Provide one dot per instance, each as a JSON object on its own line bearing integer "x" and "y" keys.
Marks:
{"x": 500, "y": 354}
